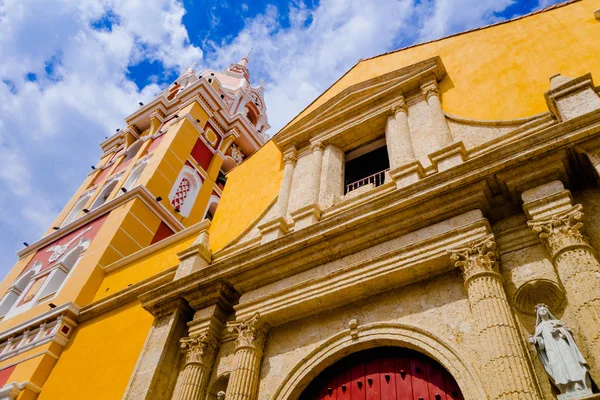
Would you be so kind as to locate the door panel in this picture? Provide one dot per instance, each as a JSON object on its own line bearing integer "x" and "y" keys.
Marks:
{"x": 386, "y": 373}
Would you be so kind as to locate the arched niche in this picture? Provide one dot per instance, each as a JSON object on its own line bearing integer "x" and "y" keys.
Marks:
{"x": 134, "y": 176}
{"x": 219, "y": 385}
{"x": 377, "y": 335}
{"x": 17, "y": 289}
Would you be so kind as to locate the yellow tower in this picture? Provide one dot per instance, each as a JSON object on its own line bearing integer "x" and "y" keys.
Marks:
{"x": 163, "y": 173}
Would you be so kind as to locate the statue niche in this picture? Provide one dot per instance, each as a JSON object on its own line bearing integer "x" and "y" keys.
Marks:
{"x": 558, "y": 352}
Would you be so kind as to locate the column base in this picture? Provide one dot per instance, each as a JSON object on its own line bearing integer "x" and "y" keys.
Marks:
{"x": 580, "y": 394}
{"x": 273, "y": 229}
{"x": 306, "y": 216}
{"x": 449, "y": 156}
{"x": 407, "y": 174}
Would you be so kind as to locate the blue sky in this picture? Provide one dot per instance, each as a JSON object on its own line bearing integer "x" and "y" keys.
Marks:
{"x": 71, "y": 70}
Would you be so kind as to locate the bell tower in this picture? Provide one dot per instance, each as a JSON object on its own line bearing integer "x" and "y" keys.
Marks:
{"x": 162, "y": 175}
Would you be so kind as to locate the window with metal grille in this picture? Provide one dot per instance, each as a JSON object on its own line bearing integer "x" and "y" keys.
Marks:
{"x": 181, "y": 193}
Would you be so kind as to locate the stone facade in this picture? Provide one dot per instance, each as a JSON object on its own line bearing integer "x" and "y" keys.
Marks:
{"x": 448, "y": 256}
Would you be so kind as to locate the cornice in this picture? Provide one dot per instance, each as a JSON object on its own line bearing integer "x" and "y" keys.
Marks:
{"x": 139, "y": 192}
{"x": 432, "y": 199}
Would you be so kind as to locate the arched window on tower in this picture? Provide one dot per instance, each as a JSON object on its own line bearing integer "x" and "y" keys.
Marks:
{"x": 17, "y": 289}
{"x": 105, "y": 192}
{"x": 131, "y": 181}
{"x": 74, "y": 214}
{"x": 185, "y": 190}
{"x": 212, "y": 207}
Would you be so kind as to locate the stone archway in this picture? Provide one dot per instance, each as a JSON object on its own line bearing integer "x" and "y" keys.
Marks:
{"x": 384, "y": 373}
{"x": 378, "y": 335}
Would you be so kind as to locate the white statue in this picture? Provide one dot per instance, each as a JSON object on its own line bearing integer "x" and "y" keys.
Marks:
{"x": 560, "y": 355}
{"x": 221, "y": 395}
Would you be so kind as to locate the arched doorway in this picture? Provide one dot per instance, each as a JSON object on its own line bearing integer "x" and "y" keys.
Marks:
{"x": 384, "y": 373}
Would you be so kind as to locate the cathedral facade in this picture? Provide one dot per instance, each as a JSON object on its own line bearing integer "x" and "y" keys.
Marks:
{"x": 426, "y": 229}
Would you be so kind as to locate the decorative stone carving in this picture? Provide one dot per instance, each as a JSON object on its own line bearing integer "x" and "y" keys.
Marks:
{"x": 478, "y": 257}
{"x": 558, "y": 352}
{"x": 250, "y": 333}
{"x": 502, "y": 352}
{"x": 251, "y": 336}
{"x": 221, "y": 395}
{"x": 199, "y": 349}
{"x": 561, "y": 231}
{"x": 199, "y": 353}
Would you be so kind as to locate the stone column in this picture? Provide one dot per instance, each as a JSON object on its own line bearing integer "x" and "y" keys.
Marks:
{"x": 289, "y": 159}
{"x": 199, "y": 353}
{"x": 317, "y": 162}
{"x": 397, "y": 136}
{"x": 311, "y": 213}
{"x": 154, "y": 376}
{"x": 559, "y": 226}
{"x": 251, "y": 336}
{"x": 440, "y": 130}
{"x": 503, "y": 355}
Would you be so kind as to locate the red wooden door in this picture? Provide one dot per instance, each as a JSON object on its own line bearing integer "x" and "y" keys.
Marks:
{"x": 386, "y": 373}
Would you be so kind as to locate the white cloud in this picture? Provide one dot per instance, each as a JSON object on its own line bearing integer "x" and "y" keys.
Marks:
{"x": 301, "y": 59}
{"x": 50, "y": 126}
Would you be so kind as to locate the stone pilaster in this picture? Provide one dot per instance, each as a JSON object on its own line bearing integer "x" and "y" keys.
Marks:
{"x": 199, "y": 352}
{"x": 503, "y": 355}
{"x": 441, "y": 135}
{"x": 278, "y": 226}
{"x": 251, "y": 337}
{"x": 397, "y": 136}
{"x": 154, "y": 376}
{"x": 575, "y": 261}
{"x": 195, "y": 257}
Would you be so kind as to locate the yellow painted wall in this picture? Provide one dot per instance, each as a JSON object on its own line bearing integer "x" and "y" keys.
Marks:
{"x": 143, "y": 268}
{"x": 500, "y": 72}
{"x": 99, "y": 359}
{"x": 250, "y": 188}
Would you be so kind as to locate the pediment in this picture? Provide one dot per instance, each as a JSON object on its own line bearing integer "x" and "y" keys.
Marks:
{"x": 357, "y": 99}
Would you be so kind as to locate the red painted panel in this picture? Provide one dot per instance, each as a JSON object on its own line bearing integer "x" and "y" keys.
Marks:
{"x": 155, "y": 143}
{"x": 202, "y": 154}
{"x": 387, "y": 379}
{"x": 357, "y": 387}
{"x": 419, "y": 379}
{"x": 44, "y": 253}
{"x": 5, "y": 374}
{"x": 100, "y": 176}
{"x": 373, "y": 384}
{"x": 435, "y": 378}
{"x": 162, "y": 232}
{"x": 403, "y": 381}
{"x": 123, "y": 165}
{"x": 329, "y": 391}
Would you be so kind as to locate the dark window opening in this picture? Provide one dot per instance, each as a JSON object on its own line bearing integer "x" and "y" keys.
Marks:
{"x": 366, "y": 169}
{"x": 221, "y": 180}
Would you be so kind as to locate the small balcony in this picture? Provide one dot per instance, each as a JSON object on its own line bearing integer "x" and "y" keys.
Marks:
{"x": 366, "y": 166}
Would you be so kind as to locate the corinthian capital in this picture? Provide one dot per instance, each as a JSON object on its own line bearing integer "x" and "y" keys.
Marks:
{"x": 400, "y": 106}
{"x": 430, "y": 88}
{"x": 290, "y": 156}
{"x": 251, "y": 332}
{"x": 199, "y": 349}
{"x": 317, "y": 146}
{"x": 561, "y": 230}
{"x": 478, "y": 257}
